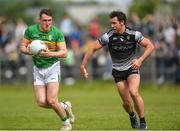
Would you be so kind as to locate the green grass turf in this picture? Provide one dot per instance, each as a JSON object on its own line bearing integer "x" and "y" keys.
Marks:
{"x": 96, "y": 105}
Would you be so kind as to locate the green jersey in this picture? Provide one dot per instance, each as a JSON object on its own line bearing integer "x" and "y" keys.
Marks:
{"x": 50, "y": 38}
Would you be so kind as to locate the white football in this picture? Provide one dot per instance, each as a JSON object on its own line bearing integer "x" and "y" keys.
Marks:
{"x": 36, "y": 46}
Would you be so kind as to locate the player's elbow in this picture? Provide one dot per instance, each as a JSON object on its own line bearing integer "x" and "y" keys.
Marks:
{"x": 22, "y": 49}
{"x": 64, "y": 54}
{"x": 152, "y": 47}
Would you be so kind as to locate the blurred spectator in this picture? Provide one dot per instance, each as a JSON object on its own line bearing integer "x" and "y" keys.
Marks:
{"x": 177, "y": 72}
{"x": 68, "y": 66}
{"x": 135, "y": 22}
{"x": 76, "y": 39}
{"x": 19, "y": 30}
{"x": 177, "y": 41}
{"x": 174, "y": 22}
{"x": 94, "y": 33}
{"x": 94, "y": 29}
{"x": 67, "y": 27}
{"x": 160, "y": 57}
{"x": 150, "y": 26}
{"x": 11, "y": 56}
{"x": 4, "y": 37}
{"x": 169, "y": 34}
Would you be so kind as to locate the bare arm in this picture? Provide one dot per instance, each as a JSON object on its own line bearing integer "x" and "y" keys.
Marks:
{"x": 24, "y": 46}
{"x": 94, "y": 47}
{"x": 62, "y": 51}
{"x": 149, "y": 48}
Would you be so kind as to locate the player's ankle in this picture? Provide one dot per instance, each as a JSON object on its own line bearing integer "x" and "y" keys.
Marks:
{"x": 66, "y": 121}
{"x": 63, "y": 105}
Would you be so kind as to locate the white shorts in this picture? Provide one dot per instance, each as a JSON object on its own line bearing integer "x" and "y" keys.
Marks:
{"x": 43, "y": 76}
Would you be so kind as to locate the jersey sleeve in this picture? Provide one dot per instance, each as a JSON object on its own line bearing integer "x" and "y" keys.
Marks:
{"x": 27, "y": 34}
{"x": 60, "y": 36}
{"x": 104, "y": 39}
{"x": 138, "y": 36}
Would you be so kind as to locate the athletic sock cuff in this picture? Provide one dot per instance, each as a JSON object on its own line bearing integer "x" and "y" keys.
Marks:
{"x": 132, "y": 114}
{"x": 64, "y": 119}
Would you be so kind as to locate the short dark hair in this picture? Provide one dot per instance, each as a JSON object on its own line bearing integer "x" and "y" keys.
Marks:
{"x": 45, "y": 11}
{"x": 119, "y": 14}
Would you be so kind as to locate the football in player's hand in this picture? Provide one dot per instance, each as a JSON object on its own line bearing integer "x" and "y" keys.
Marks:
{"x": 36, "y": 46}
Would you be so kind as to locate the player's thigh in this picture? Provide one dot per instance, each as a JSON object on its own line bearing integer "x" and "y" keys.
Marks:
{"x": 40, "y": 93}
{"x": 38, "y": 75}
{"x": 123, "y": 91}
{"x": 133, "y": 83}
{"x": 52, "y": 90}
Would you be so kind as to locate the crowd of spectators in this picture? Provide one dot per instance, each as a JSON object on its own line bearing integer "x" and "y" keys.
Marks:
{"x": 165, "y": 33}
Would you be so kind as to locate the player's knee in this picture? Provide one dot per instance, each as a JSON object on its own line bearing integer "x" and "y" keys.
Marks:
{"x": 134, "y": 94}
{"x": 42, "y": 103}
{"x": 51, "y": 101}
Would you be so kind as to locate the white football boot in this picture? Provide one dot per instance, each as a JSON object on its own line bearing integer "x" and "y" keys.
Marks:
{"x": 66, "y": 127}
{"x": 69, "y": 112}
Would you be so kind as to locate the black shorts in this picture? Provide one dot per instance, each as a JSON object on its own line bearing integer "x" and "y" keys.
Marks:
{"x": 123, "y": 75}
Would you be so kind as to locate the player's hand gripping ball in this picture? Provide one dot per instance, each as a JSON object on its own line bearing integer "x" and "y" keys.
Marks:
{"x": 36, "y": 46}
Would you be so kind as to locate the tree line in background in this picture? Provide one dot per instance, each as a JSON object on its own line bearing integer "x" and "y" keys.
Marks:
{"x": 18, "y": 8}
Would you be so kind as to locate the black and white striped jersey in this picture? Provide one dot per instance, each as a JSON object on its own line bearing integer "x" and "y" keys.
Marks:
{"x": 122, "y": 47}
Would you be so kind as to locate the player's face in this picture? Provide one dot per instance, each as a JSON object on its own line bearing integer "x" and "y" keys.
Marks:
{"x": 45, "y": 22}
{"x": 116, "y": 25}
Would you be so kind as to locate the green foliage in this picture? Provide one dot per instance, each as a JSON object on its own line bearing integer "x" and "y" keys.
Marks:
{"x": 14, "y": 10}
{"x": 144, "y": 7}
{"x": 18, "y": 9}
{"x": 103, "y": 20}
{"x": 175, "y": 7}
{"x": 38, "y": 3}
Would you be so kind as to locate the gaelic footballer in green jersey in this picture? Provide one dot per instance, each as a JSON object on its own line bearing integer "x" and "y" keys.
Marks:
{"x": 50, "y": 38}
{"x": 46, "y": 69}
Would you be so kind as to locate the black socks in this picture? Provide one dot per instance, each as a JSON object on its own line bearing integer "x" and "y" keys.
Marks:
{"x": 142, "y": 120}
{"x": 131, "y": 114}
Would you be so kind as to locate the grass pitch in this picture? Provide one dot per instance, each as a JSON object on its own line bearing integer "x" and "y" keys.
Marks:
{"x": 96, "y": 105}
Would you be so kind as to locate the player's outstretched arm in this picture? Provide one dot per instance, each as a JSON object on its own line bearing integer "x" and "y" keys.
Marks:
{"x": 94, "y": 47}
